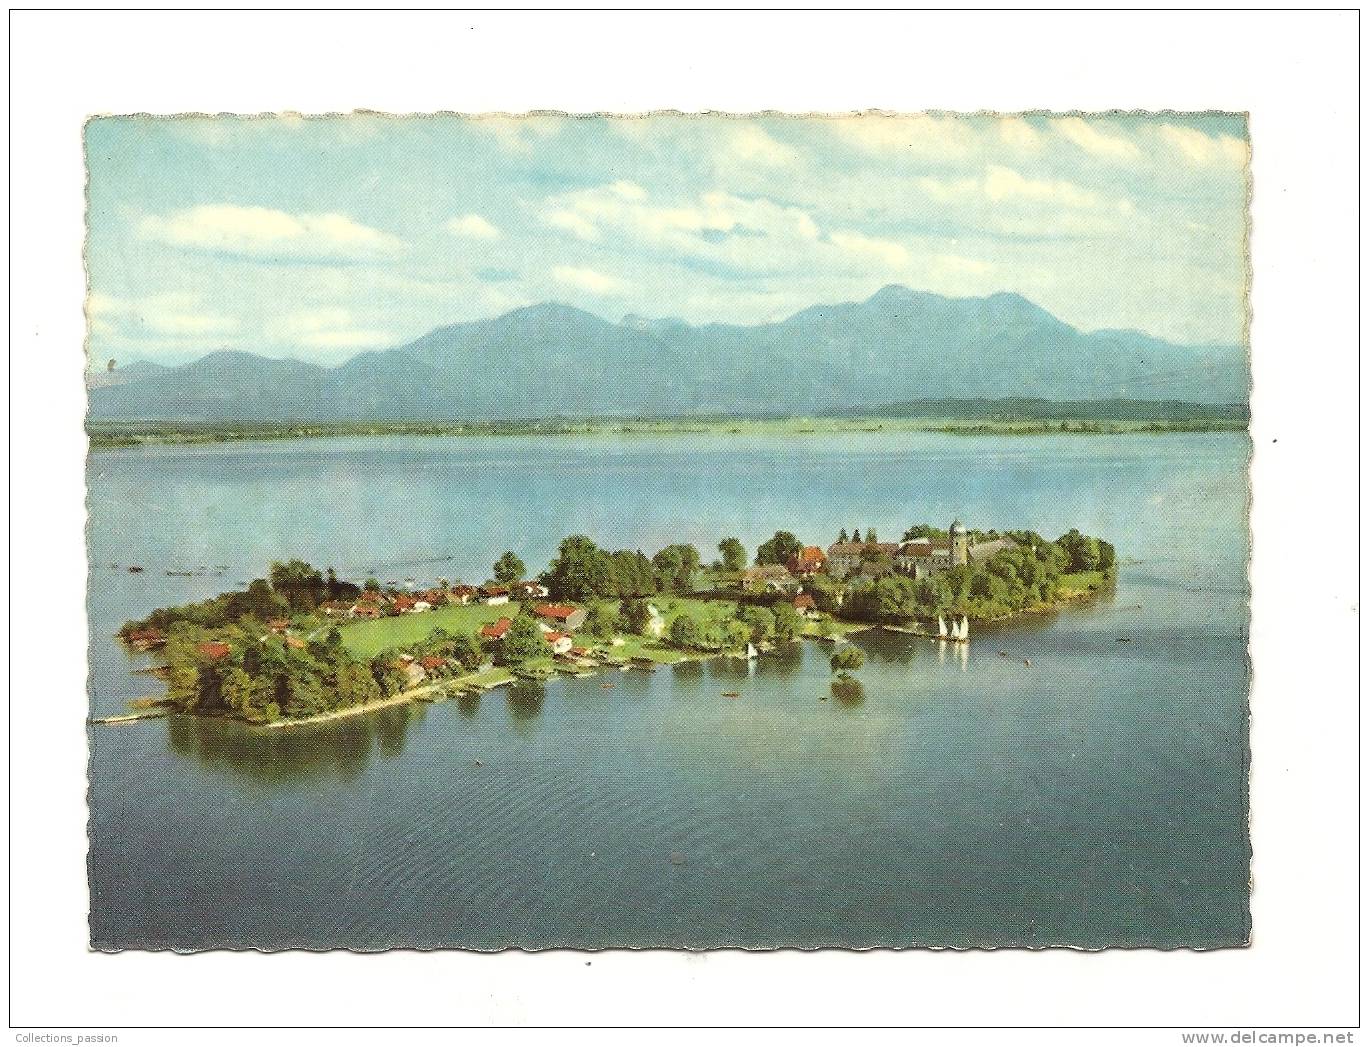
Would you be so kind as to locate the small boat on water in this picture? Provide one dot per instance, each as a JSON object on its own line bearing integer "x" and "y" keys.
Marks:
{"x": 751, "y": 652}
{"x": 732, "y": 694}
{"x": 959, "y": 631}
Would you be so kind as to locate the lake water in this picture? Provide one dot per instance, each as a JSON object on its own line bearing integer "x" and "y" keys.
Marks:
{"x": 962, "y": 798}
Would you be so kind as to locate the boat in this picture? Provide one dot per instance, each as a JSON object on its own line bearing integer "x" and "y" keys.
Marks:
{"x": 751, "y": 652}
{"x": 732, "y": 694}
{"x": 959, "y": 631}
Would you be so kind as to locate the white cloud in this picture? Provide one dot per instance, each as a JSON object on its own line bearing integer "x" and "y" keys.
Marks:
{"x": 751, "y": 144}
{"x": 572, "y": 223}
{"x": 519, "y": 134}
{"x": 473, "y": 227}
{"x": 1017, "y": 134}
{"x": 261, "y": 232}
{"x": 947, "y": 264}
{"x": 883, "y": 251}
{"x": 730, "y": 231}
{"x": 1088, "y": 138}
{"x": 587, "y": 280}
{"x": 173, "y": 317}
{"x": 326, "y": 328}
{"x": 1198, "y": 148}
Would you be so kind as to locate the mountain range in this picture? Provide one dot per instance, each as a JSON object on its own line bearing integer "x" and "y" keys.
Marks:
{"x": 552, "y": 360}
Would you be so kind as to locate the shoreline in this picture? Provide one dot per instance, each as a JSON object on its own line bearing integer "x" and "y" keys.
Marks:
{"x": 109, "y": 436}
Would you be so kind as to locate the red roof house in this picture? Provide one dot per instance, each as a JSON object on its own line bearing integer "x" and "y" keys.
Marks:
{"x": 214, "y": 650}
{"x": 496, "y": 630}
{"x": 809, "y": 560}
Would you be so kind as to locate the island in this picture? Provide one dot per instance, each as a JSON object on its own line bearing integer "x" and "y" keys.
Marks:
{"x": 303, "y": 645}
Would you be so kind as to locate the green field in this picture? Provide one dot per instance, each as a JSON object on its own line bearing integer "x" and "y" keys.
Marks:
{"x": 367, "y": 639}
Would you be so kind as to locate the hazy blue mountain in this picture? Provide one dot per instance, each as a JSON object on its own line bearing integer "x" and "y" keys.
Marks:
{"x": 551, "y": 359}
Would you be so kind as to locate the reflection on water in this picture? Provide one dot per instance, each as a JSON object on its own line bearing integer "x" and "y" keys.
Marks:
{"x": 690, "y": 670}
{"x": 849, "y": 691}
{"x": 340, "y": 749}
{"x": 525, "y": 700}
{"x": 785, "y": 660}
{"x": 468, "y": 703}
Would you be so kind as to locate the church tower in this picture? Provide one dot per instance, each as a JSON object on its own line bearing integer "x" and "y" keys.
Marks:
{"x": 960, "y": 545}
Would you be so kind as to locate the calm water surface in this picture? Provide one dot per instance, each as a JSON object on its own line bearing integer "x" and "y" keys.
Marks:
{"x": 1094, "y": 798}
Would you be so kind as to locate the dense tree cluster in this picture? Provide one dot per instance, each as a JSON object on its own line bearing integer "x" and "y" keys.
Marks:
{"x": 294, "y": 587}
{"x": 583, "y": 571}
{"x": 779, "y": 549}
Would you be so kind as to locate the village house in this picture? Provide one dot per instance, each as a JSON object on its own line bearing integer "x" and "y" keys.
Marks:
{"x": 461, "y": 594}
{"x": 366, "y": 611}
{"x": 213, "y": 650}
{"x": 432, "y": 663}
{"x": 147, "y": 639}
{"x": 806, "y": 606}
{"x": 560, "y": 643}
{"x": 560, "y": 616}
{"x": 807, "y": 561}
{"x": 495, "y": 630}
{"x": 922, "y": 557}
{"x": 494, "y": 595}
{"x": 531, "y": 591}
{"x": 847, "y": 558}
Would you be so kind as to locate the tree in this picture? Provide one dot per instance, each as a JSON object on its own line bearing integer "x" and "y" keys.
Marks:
{"x": 787, "y": 622}
{"x": 300, "y": 583}
{"x": 372, "y": 585}
{"x": 509, "y": 569}
{"x": 183, "y": 686}
{"x": 685, "y": 631}
{"x": 759, "y": 621}
{"x": 843, "y": 538}
{"x": 855, "y": 536}
{"x": 847, "y": 658}
{"x": 825, "y": 591}
{"x": 675, "y": 566}
{"x": 1084, "y": 552}
{"x": 601, "y": 621}
{"x": 466, "y": 649}
{"x": 388, "y": 675}
{"x": 733, "y": 554}
{"x": 736, "y": 633}
{"x": 523, "y": 640}
{"x": 1107, "y": 557}
{"x": 632, "y": 573}
{"x": 634, "y": 616}
{"x": 778, "y": 550}
{"x": 870, "y": 535}
{"x": 580, "y": 571}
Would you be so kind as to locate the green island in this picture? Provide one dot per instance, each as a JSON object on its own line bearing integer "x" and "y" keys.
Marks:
{"x": 966, "y": 417}
{"x": 302, "y": 645}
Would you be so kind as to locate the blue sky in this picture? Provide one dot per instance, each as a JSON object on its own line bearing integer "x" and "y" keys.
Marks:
{"x": 321, "y": 237}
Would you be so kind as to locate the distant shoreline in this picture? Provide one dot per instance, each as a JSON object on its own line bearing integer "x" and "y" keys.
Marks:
{"x": 136, "y": 434}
